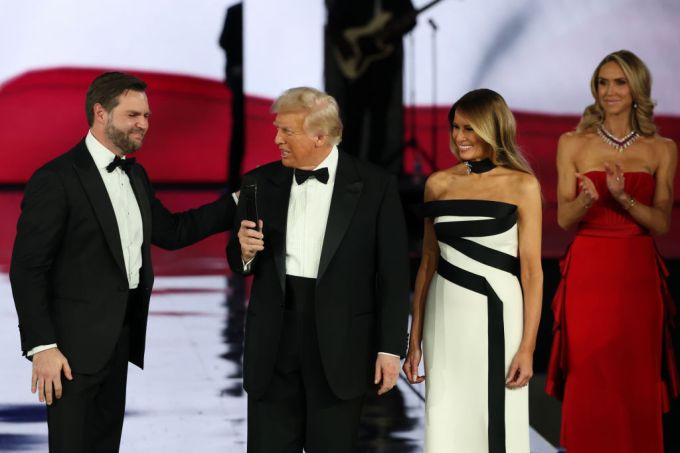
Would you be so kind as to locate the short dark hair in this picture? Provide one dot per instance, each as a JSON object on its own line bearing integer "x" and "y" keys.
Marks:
{"x": 105, "y": 90}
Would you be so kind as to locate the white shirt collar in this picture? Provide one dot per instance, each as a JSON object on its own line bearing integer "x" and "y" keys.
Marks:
{"x": 331, "y": 161}
{"x": 101, "y": 155}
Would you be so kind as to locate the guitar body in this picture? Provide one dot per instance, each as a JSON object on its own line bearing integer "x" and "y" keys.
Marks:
{"x": 372, "y": 42}
{"x": 366, "y": 46}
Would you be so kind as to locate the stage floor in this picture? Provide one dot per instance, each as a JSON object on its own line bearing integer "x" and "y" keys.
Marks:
{"x": 189, "y": 397}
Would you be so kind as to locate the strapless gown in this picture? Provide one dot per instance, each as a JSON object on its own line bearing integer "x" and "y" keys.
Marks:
{"x": 472, "y": 329}
{"x": 612, "y": 361}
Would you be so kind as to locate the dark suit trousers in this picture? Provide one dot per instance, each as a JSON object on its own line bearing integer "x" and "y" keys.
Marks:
{"x": 89, "y": 416}
{"x": 299, "y": 410}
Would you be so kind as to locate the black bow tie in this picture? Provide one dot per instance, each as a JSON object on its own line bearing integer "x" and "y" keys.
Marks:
{"x": 124, "y": 164}
{"x": 320, "y": 175}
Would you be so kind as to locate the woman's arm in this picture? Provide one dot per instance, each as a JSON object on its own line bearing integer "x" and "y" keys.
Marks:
{"x": 427, "y": 268}
{"x": 571, "y": 206}
{"x": 529, "y": 231}
{"x": 656, "y": 217}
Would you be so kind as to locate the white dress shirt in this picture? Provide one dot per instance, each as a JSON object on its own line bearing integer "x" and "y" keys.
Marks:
{"x": 128, "y": 215}
{"x": 308, "y": 208}
{"x": 126, "y": 209}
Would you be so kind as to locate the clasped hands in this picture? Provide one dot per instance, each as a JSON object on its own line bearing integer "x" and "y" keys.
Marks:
{"x": 615, "y": 185}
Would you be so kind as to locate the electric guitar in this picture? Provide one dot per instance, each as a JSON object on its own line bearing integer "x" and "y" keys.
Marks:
{"x": 372, "y": 41}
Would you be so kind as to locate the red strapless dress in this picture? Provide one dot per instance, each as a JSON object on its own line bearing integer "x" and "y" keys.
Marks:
{"x": 611, "y": 361}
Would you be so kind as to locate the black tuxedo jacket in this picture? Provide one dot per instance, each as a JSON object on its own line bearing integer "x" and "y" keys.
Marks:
{"x": 67, "y": 272}
{"x": 361, "y": 301}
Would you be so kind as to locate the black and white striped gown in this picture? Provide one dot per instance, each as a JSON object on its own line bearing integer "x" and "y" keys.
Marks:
{"x": 472, "y": 329}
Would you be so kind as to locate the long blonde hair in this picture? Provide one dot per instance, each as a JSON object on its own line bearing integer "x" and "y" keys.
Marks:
{"x": 640, "y": 82}
{"x": 491, "y": 119}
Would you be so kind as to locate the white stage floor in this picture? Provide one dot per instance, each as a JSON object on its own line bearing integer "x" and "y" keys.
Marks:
{"x": 189, "y": 397}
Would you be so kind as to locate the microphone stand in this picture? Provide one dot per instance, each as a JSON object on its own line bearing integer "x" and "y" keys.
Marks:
{"x": 434, "y": 126}
{"x": 420, "y": 154}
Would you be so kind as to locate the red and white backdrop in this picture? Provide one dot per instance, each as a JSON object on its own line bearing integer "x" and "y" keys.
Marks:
{"x": 539, "y": 54}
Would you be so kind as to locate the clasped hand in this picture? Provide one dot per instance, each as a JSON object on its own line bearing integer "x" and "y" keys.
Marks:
{"x": 251, "y": 239}
{"x": 615, "y": 184}
{"x": 588, "y": 192}
{"x": 615, "y": 179}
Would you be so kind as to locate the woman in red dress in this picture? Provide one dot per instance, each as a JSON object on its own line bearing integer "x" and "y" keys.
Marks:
{"x": 612, "y": 361}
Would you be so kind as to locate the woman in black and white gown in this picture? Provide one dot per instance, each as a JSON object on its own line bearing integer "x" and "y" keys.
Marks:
{"x": 477, "y": 299}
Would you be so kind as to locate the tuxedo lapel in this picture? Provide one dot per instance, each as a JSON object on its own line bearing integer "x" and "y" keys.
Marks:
{"x": 142, "y": 197}
{"x": 346, "y": 193}
{"x": 99, "y": 199}
{"x": 275, "y": 198}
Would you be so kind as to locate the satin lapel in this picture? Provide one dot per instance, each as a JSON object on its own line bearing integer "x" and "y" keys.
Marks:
{"x": 101, "y": 203}
{"x": 274, "y": 199}
{"x": 142, "y": 197}
{"x": 346, "y": 193}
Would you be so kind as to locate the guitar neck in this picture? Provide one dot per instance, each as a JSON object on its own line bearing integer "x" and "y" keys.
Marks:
{"x": 422, "y": 9}
{"x": 400, "y": 25}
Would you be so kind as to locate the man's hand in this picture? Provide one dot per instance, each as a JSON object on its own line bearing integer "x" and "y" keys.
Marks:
{"x": 46, "y": 376}
{"x": 251, "y": 239}
{"x": 387, "y": 371}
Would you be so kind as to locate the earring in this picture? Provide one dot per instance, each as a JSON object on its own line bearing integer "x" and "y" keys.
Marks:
{"x": 634, "y": 105}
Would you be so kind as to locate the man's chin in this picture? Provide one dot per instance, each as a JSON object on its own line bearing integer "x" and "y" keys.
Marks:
{"x": 133, "y": 147}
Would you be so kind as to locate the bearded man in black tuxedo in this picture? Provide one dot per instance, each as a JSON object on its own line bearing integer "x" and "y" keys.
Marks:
{"x": 329, "y": 304}
{"x": 81, "y": 269}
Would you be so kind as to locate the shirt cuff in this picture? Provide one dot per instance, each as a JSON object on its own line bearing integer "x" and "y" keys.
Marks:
{"x": 40, "y": 348}
{"x": 246, "y": 265}
{"x": 387, "y": 353}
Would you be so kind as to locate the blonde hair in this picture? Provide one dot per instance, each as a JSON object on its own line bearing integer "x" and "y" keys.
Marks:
{"x": 323, "y": 115}
{"x": 640, "y": 82}
{"x": 492, "y": 120}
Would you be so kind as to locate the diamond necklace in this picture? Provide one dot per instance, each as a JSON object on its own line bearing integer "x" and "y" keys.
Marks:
{"x": 617, "y": 143}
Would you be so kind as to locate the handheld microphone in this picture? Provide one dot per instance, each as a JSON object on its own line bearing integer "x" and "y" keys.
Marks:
{"x": 249, "y": 200}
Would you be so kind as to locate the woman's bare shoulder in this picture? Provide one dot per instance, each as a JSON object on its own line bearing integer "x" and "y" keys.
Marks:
{"x": 573, "y": 140}
{"x": 523, "y": 181}
{"x": 445, "y": 177}
{"x": 440, "y": 182}
{"x": 664, "y": 144}
{"x": 519, "y": 184}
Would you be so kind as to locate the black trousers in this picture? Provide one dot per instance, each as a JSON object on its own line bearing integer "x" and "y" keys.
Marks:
{"x": 300, "y": 410}
{"x": 89, "y": 416}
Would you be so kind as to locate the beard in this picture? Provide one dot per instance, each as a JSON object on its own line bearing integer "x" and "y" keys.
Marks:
{"x": 122, "y": 138}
